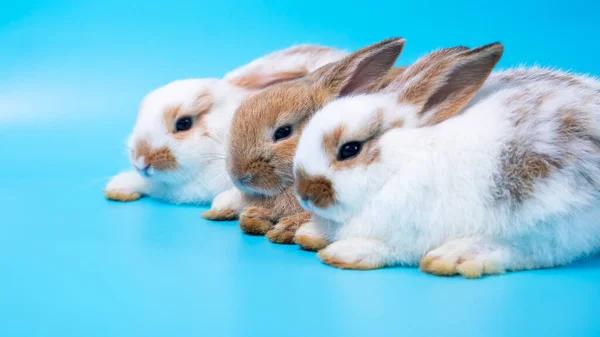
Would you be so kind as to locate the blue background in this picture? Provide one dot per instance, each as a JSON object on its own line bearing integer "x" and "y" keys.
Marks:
{"x": 73, "y": 264}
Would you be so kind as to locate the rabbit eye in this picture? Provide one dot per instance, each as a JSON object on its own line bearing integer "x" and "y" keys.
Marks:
{"x": 282, "y": 132}
{"x": 349, "y": 150}
{"x": 183, "y": 124}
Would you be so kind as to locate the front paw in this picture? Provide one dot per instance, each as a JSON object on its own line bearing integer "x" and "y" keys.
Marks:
{"x": 356, "y": 253}
{"x": 226, "y": 206}
{"x": 220, "y": 214}
{"x": 286, "y": 228}
{"x": 255, "y": 221}
{"x": 469, "y": 258}
{"x": 126, "y": 186}
{"x": 310, "y": 237}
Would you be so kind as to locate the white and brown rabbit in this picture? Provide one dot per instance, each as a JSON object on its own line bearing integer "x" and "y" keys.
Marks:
{"x": 460, "y": 171}
{"x": 178, "y": 143}
{"x": 266, "y": 129}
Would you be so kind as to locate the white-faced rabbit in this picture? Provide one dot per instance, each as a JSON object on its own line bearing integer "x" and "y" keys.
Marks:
{"x": 461, "y": 171}
{"x": 266, "y": 129}
{"x": 179, "y": 140}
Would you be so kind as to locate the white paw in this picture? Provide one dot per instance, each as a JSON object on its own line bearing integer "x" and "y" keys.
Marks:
{"x": 126, "y": 186}
{"x": 468, "y": 257}
{"x": 231, "y": 199}
{"x": 311, "y": 236}
{"x": 355, "y": 253}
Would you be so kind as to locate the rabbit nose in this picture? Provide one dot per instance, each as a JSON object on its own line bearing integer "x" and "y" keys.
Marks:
{"x": 141, "y": 165}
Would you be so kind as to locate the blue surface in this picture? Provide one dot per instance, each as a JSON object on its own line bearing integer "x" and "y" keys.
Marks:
{"x": 74, "y": 264}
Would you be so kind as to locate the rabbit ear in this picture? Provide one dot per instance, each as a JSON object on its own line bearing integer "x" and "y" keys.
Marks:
{"x": 393, "y": 75}
{"x": 362, "y": 71}
{"x": 258, "y": 80}
{"x": 445, "y": 87}
{"x": 283, "y": 65}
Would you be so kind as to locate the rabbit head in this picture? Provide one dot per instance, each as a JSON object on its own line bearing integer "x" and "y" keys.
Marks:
{"x": 345, "y": 155}
{"x": 266, "y": 127}
{"x": 182, "y": 128}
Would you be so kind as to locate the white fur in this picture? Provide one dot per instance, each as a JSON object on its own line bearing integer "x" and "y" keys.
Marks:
{"x": 435, "y": 184}
{"x": 201, "y": 173}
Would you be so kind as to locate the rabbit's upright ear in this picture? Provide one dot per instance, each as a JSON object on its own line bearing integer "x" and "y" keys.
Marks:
{"x": 360, "y": 72}
{"x": 442, "y": 88}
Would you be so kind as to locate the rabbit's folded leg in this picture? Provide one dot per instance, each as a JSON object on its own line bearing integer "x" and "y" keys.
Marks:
{"x": 283, "y": 232}
{"x": 356, "y": 253}
{"x": 310, "y": 236}
{"x": 472, "y": 258}
{"x": 125, "y": 186}
{"x": 256, "y": 220}
{"x": 226, "y": 206}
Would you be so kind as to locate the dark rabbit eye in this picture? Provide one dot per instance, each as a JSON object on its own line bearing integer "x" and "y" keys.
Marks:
{"x": 349, "y": 150}
{"x": 282, "y": 132}
{"x": 183, "y": 124}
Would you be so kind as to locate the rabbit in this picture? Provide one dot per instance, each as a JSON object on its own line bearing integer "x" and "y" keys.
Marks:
{"x": 456, "y": 169}
{"x": 178, "y": 143}
{"x": 267, "y": 126}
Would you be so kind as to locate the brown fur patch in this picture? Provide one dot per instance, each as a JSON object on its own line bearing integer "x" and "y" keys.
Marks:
{"x": 286, "y": 228}
{"x": 368, "y": 135}
{"x": 161, "y": 159}
{"x": 522, "y": 169}
{"x": 203, "y": 105}
{"x": 220, "y": 214}
{"x": 121, "y": 196}
{"x": 316, "y": 188}
{"x": 339, "y": 263}
{"x": 170, "y": 115}
{"x": 310, "y": 243}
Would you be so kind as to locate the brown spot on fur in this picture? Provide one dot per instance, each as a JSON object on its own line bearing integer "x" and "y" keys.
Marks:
{"x": 522, "y": 168}
{"x": 368, "y": 135}
{"x": 121, "y": 196}
{"x": 317, "y": 189}
{"x": 161, "y": 159}
{"x": 339, "y": 263}
{"x": 203, "y": 105}
{"x": 397, "y": 124}
{"x": 331, "y": 141}
{"x": 310, "y": 243}
{"x": 170, "y": 115}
